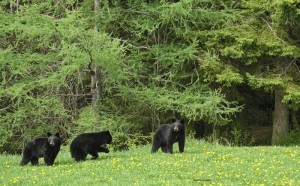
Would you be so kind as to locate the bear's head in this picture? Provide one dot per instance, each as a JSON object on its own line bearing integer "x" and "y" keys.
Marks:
{"x": 53, "y": 139}
{"x": 105, "y": 136}
{"x": 108, "y": 136}
{"x": 177, "y": 125}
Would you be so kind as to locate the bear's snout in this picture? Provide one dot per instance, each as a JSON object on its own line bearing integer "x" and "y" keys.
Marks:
{"x": 51, "y": 143}
{"x": 176, "y": 129}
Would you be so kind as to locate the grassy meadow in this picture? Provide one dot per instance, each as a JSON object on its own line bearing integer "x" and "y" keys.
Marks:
{"x": 201, "y": 164}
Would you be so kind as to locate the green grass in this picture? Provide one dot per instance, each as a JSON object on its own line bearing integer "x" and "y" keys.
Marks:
{"x": 201, "y": 164}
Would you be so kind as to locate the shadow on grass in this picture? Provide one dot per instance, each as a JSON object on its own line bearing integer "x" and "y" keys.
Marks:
{"x": 202, "y": 180}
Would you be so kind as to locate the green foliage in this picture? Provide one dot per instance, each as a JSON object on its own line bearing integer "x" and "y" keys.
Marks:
{"x": 234, "y": 135}
{"x": 286, "y": 12}
{"x": 292, "y": 138}
{"x": 267, "y": 83}
{"x": 191, "y": 103}
{"x": 228, "y": 76}
{"x": 125, "y": 135}
{"x": 241, "y": 137}
{"x": 292, "y": 95}
{"x": 158, "y": 59}
{"x": 43, "y": 64}
{"x": 210, "y": 65}
{"x": 88, "y": 120}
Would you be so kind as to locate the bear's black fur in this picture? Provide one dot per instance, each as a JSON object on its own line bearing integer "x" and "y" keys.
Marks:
{"x": 90, "y": 143}
{"x": 47, "y": 147}
{"x": 166, "y": 135}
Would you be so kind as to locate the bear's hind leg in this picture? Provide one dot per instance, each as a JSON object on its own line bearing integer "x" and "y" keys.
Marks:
{"x": 26, "y": 157}
{"x": 170, "y": 148}
{"x": 78, "y": 154}
{"x": 154, "y": 148}
{"x": 155, "y": 145}
{"x": 80, "y": 157}
{"x": 25, "y": 161}
{"x": 164, "y": 148}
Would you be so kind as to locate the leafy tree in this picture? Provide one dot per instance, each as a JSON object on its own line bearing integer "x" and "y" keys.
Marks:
{"x": 44, "y": 65}
{"x": 280, "y": 72}
{"x": 128, "y": 66}
{"x": 253, "y": 46}
{"x": 165, "y": 73}
{"x": 189, "y": 45}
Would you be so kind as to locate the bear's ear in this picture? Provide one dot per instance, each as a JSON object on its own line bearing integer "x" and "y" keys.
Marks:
{"x": 57, "y": 134}
{"x": 182, "y": 121}
{"x": 173, "y": 120}
{"x": 49, "y": 134}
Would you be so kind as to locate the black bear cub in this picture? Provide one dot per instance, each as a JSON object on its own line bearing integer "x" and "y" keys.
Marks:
{"x": 166, "y": 135}
{"x": 90, "y": 143}
{"x": 47, "y": 147}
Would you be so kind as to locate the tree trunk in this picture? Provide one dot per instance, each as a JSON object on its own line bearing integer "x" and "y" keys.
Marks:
{"x": 12, "y": 8}
{"x": 96, "y": 84}
{"x": 95, "y": 70}
{"x": 280, "y": 119}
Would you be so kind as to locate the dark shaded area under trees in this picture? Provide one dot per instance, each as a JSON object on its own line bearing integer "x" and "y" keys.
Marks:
{"x": 230, "y": 69}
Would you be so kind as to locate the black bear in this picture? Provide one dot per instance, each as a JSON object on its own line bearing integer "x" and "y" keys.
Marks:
{"x": 166, "y": 135}
{"x": 47, "y": 147}
{"x": 90, "y": 143}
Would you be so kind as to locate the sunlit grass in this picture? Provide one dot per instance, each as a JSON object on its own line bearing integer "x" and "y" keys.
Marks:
{"x": 201, "y": 164}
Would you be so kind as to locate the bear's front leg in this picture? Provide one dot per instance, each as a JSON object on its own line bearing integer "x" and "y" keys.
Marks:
{"x": 103, "y": 148}
{"x": 181, "y": 142}
{"x": 48, "y": 161}
{"x": 94, "y": 154}
{"x": 34, "y": 161}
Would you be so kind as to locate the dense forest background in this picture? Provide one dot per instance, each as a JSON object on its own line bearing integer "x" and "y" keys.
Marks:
{"x": 229, "y": 68}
